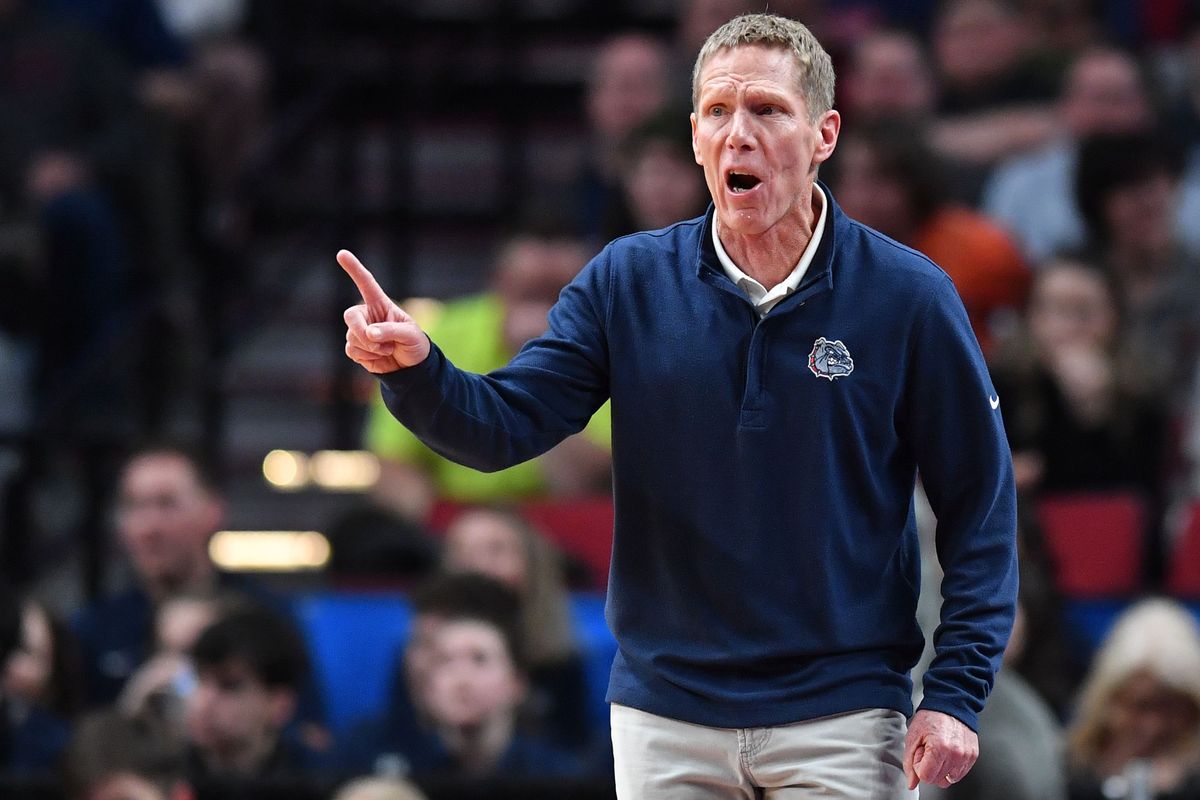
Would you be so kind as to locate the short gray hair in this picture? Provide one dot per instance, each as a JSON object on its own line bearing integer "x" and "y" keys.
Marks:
{"x": 771, "y": 30}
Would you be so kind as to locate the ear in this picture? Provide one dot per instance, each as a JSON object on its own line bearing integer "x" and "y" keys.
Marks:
{"x": 828, "y": 128}
{"x": 695, "y": 144}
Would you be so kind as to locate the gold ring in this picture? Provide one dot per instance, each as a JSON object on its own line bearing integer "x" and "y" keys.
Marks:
{"x": 948, "y": 778}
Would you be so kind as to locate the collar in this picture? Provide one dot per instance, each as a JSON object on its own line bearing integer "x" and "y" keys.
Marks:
{"x": 758, "y": 293}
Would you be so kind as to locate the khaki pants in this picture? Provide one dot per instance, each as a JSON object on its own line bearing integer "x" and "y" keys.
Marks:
{"x": 853, "y": 756}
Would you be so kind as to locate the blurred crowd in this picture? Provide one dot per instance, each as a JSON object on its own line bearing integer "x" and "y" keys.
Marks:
{"x": 1044, "y": 153}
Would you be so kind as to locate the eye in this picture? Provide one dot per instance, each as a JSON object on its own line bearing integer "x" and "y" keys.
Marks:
{"x": 767, "y": 111}
{"x": 716, "y": 111}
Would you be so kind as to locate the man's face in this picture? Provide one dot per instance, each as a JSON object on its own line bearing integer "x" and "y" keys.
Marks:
{"x": 1104, "y": 94}
{"x": 165, "y": 516}
{"x": 231, "y": 710}
{"x": 751, "y": 133}
{"x": 474, "y": 678}
{"x": 890, "y": 78}
{"x": 529, "y": 277}
{"x": 488, "y": 545}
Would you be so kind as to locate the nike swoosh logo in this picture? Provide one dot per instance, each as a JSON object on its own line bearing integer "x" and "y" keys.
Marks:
{"x": 994, "y": 402}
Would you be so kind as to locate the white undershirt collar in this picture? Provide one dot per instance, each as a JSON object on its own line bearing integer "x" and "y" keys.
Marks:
{"x": 763, "y": 299}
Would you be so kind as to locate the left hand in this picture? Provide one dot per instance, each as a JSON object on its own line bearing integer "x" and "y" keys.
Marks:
{"x": 939, "y": 749}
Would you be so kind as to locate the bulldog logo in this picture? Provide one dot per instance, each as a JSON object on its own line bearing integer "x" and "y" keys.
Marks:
{"x": 830, "y": 359}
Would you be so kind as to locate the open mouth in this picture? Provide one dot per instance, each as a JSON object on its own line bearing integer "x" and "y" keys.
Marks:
{"x": 739, "y": 182}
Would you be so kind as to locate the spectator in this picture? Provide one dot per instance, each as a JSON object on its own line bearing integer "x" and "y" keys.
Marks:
{"x": 1020, "y": 741}
{"x": 889, "y": 78}
{"x": 379, "y": 789}
{"x": 627, "y": 85}
{"x": 68, "y": 146}
{"x": 115, "y": 757}
{"x": 485, "y": 331}
{"x": 164, "y": 683}
{"x": 1137, "y": 731}
{"x": 168, "y": 508}
{"x": 891, "y": 180}
{"x": 390, "y": 744}
{"x": 31, "y": 737}
{"x": 502, "y": 545}
{"x": 250, "y": 667}
{"x": 1079, "y": 412}
{"x": 1126, "y": 188}
{"x": 474, "y": 690}
{"x": 1033, "y": 195}
{"x": 661, "y": 183}
{"x": 991, "y": 88}
{"x": 44, "y": 671}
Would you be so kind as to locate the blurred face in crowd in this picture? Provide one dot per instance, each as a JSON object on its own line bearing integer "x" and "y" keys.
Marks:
{"x": 232, "y": 712}
{"x": 488, "y": 544}
{"x": 165, "y": 518}
{"x": 1103, "y": 93}
{"x": 699, "y": 18}
{"x": 1148, "y": 718}
{"x": 529, "y": 276}
{"x": 976, "y": 42}
{"x": 128, "y": 786}
{"x": 869, "y": 194}
{"x": 663, "y": 186}
{"x": 474, "y": 680}
{"x": 1140, "y": 216}
{"x": 1071, "y": 306}
{"x": 420, "y": 655}
{"x": 29, "y": 668}
{"x": 628, "y": 84}
{"x": 753, "y": 134}
{"x": 890, "y": 78}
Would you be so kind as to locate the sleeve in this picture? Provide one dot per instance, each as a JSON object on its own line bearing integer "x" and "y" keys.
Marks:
{"x": 957, "y": 435}
{"x": 549, "y": 391}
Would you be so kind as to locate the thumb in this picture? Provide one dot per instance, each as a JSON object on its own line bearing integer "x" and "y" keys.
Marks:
{"x": 402, "y": 333}
{"x": 911, "y": 758}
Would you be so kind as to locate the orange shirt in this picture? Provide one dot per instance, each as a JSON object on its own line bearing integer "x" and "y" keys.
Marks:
{"x": 981, "y": 259}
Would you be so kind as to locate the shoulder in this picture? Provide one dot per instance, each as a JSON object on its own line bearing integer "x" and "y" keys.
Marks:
{"x": 885, "y": 263}
{"x": 670, "y": 245}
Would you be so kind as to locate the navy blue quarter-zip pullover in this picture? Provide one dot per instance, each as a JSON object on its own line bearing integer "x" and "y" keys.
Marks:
{"x": 765, "y": 559}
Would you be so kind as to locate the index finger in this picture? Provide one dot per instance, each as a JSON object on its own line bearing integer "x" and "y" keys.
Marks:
{"x": 368, "y": 287}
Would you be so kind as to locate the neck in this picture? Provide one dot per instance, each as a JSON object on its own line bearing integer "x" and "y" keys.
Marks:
{"x": 769, "y": 257}
{"x": 199, "y": 579}
{"x": 477, "y": 748}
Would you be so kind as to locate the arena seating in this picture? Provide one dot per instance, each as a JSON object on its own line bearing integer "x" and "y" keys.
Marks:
{"x": 1096, "y": 541}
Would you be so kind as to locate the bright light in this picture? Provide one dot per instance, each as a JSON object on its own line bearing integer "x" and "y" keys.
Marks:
{"x": 286, "y": 470}
{"x": 270, "y": 551}
{"x": 344, "y": 470}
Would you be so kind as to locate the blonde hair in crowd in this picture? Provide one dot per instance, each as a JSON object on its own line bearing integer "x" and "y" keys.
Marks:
{"x": 379, "y": 789}
{"x": 1155, "y": 636}
{"x": 770, "y": 30}
{"x": 546, "y": 615}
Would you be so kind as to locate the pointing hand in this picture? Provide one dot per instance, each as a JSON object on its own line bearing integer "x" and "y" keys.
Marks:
{"x": 380, "y": 337}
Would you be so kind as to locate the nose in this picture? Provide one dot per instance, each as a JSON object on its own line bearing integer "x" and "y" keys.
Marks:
{"x": 741, "y": 131}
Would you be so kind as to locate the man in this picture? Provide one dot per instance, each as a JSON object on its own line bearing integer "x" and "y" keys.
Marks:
{"x": 778, "y": 373}
{"x": 1104, "y": 93}
{"x": 168, "y": 508}
{"x": 250, "y": 667}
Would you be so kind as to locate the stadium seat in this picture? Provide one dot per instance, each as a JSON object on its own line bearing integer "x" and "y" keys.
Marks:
{"x": 1183, "y": 565}
{"x": 1096, "y": 542}
{"x": 597, "y": 648}
{"x": 353, "y": 640}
